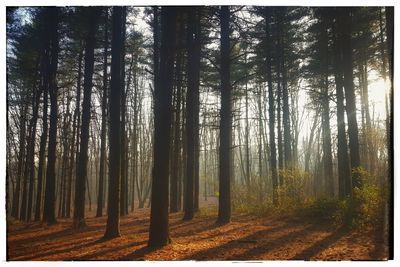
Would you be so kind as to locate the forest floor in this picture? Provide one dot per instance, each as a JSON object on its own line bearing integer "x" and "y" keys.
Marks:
{"x": 247, "y": 237}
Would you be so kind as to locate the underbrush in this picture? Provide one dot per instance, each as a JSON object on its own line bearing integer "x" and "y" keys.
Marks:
{"x": 362, "y": 210}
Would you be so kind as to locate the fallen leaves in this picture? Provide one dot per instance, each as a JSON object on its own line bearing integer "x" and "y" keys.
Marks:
{"x": 246, "y": 238}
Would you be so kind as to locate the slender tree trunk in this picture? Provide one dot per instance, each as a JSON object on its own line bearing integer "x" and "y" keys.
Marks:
{"x": 285, "y": 96}
{"x": 103, "y": 134}
{"x": 27, "y": 198}
{"x": 343, "y": 156}
{"x": 177, "y": 136}
{"x": 247, "y": 130}
{"x": 21, "y": 140}
{"x": 224, "y": 207}
{"x": 81, "y": 168}
{"x": 192, "y": 99}
{"x": 307, "y": 156}
{"x": 345, "y": 25}
{"x": 326, "y": 130}
{"x": 159, "y": 229}
{"x": 113, "y": 207}
{"x": 271, "y": 108}
{"x": 43, "y": 141}
{"x": 382, "y": 45}
{"x": 123, "y": 196}
{"x": 389, "y": 12}
{"x": 50, "y": 198}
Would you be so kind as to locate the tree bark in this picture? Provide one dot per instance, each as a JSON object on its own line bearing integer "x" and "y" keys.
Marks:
{"x": 345, "y": 24}
{"x": 224, "y": 207}
{"x": 103, "y": 134}
{"x": 342, "y": 154}
{"x": 159, "y": 229}
{"x": 124, "y": 180}
{"x": 192, "y": 99}
{"x": 81, "y": 168}
{"x": 271, "y": 113}
{"x": 174, "y": 196}
{"x": 113, "y": 207}
{"x": 49, "y": 200}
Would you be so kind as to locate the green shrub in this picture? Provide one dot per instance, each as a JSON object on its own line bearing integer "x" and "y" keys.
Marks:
{"x": 364, "y": 208}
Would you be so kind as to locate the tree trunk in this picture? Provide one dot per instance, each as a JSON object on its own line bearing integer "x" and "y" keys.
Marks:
{"x": 49, "y": 200}
{"x": 271, "y": 113}
{"x": 27, "y": 199}
{"x": 342, "y": 154}
{"x": 345, "y": 25}
{"x": 326, "y": 130}
{"x": 81, "y": 168}
{"x": 389, "y": 12}
{"x": 285, "y": 96}
{"x": 192, "y": 99}
{"x": 103, "y": 134}
{"x": 159, "y": 229}
{"x": 43, "y": 138}
{"x": 112, "y": 228}
{"x": 124, "y": 181}
{"x": 224, "y": 207}
{"x": 174, "y": 196}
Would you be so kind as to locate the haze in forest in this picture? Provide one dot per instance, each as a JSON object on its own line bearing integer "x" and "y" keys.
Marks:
{"x": 270, "y": 123}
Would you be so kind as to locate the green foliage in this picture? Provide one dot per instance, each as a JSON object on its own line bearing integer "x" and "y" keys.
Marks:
{"x": 360, "y": 211}
{"x": 363, "y": 210}
{"x": 368, "y": 201}
{"x": 250, "y": 199}
{"x": 321, "y": 209}
{"x": 208, "y": 211}
{"x": 292, "y": 194}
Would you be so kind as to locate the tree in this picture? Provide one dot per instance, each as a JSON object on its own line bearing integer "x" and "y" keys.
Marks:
{"x": 225, "y": 136}
{"x": 113, "y": 208}
{"x": 124, "y": 179}
{"x": 175, "y": 195}
{"x": 389, "y": 11}
{"x": 192, "y": 101}
{"x": 50, "y": 199}
{"x": 100, "y": 194}
{"x": 159, "y": 229}
{"x": 271, "y": 108}
{"x": 345, "y": 24}
{"x": 81, "y": 170}
{"x": 343, "y": 156}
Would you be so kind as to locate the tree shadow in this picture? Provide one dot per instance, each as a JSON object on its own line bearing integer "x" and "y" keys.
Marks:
{"x": 138, "y": 254}
{"x": 320, "y": 245}
{"x": 43, "y": 237}
{"x": 256, "y": 252}
{"x": 100, "y": 251}
{"x": 252, "y": 241}
{"x": 60, "y": 251}
{"x": 380, "y": 251}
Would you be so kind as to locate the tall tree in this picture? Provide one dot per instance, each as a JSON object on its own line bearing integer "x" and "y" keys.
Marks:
{"x": 103, "y": 134}
{"x": 389, "y": 12}
{"x": 345, "y": 24}
{"x": 92, "y": 14}
{"x": 43, "y": 137}
{"x": 192, "y": 100}
{"x": 124, "y": 179}
{"x": 271, "y": 108}
{"x": 50, "y": 198}
{"x": 225, "y": 135}
{"x": 175, "y": 165}
{"x": 285, "y": 93}
{"x": 31, "y": 145}
{"x": 342, "y": 154}
{"x": 159, "y": 229}
{"x": 113, "y": 207}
